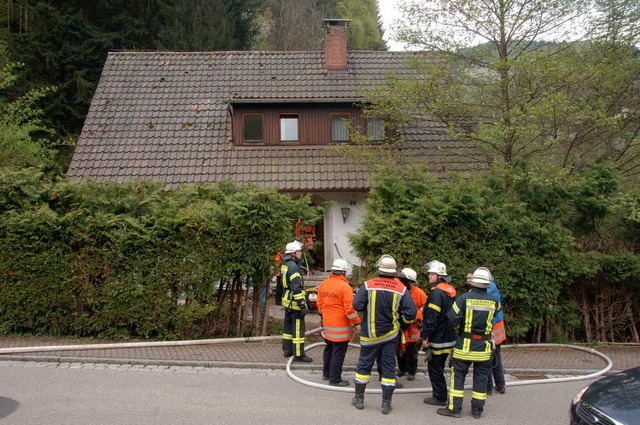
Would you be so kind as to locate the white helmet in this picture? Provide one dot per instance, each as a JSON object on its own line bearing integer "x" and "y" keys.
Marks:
{"x": 437, "y": 267}
{"x": 481, "y": 278}
{"x": 293, "y": 247}
{"x": 387, "y": 264}
{"x": 410, "y": 274}
{"x": 340, "y": 265}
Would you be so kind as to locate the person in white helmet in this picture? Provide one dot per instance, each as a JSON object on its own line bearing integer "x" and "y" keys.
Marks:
{"x": 387, "y": 307}
{"x": 436, "y": 332}
{"x": 295, "y": 304}
{"x": 498, "y": 335}
{"x": 472, "y": 315}
{"x": 407, "y": 350}
{"x": 339, "y": 321}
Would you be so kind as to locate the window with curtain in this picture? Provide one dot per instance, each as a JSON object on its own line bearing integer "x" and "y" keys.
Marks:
{"x": 340, "y": 127}
{"x": 375, "y": 129}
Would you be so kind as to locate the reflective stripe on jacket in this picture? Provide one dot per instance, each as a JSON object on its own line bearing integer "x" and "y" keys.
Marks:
{"x": 335, "y": 304}
{"x": 293, "y": 296}
{"x": 498, "y": 333}
{"x": 385, "y": 300}
{"x": 472, "y": 315}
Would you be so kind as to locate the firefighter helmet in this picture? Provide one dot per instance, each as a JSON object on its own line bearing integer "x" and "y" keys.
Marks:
{"x": 293, "y": 247}
{"x": 481, "y": 278}
{"x": 409, "y": 274}
{"x": 387, "y": 265}
{"x": 438, "y": 268}
{"x": 340, "y": 265}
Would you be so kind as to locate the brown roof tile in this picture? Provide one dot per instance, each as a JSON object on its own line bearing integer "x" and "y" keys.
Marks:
{"x": 162, "y": 116}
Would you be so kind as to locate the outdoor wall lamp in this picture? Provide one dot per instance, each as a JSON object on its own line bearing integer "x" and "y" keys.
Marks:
{"x": 345, "y": 214}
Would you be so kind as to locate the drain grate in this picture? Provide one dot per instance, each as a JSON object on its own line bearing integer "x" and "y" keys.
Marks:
{"x": 529, "y": 376}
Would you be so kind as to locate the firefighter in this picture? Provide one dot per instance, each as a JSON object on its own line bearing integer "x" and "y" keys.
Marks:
{"x": 407, "y": 348}
{"x": 339, "y": 320}
{"x": 471, "y": 315}
{"x": 295, "y": 304}
{"x": 278, "y": 265}
{"x": 387, "y": 307}
{"x": 437, "y": 334}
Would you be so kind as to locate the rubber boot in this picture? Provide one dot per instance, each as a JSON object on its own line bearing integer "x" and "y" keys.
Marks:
{"x": 358, "y": 399}
{"x": 386, "y": 403}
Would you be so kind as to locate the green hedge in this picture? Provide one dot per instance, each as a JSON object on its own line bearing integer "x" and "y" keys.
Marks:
{"x": 530, "y": 235}
{"x": 112, "y": 260}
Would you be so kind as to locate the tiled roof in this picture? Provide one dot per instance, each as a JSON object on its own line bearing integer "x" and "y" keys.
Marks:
{"x": 163, "y": 116}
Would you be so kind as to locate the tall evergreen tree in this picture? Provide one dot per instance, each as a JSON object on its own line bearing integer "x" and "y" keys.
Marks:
{"x": 64, "y": 43}
{"x": 203, "y": 25}
{"x": 289, "y": 25}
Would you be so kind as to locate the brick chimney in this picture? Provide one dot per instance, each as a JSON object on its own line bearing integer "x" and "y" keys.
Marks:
{"x": 336, "y": 44}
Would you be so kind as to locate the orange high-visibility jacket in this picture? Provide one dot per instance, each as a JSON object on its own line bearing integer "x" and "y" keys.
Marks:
{"x": 420, "y": 300}
{"x": 335, "y": 304}
{"x": 498, "y": 333}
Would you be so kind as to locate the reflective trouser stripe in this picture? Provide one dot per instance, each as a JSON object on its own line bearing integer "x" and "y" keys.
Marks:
{"x": 298, "y": 340}
{"x": 479, "y": 396}
{"x": 387, "y": 381}
{"x": 362, "y": 379}
{"x": 453, "y": 393}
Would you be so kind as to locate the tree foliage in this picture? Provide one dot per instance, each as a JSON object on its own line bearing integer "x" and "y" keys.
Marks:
{"x": 24, "y": 140}
{"x": 64, "y": 43}
{"x": 292, "y": 25}
{"x": 527, "y": 237}
{"x": 523, "y": 92}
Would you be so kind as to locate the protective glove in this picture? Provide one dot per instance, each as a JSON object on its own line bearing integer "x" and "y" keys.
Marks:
{"x": 428, "y": 354}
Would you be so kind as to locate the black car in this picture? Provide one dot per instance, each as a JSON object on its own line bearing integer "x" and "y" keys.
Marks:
{"x": 612, "y": 400}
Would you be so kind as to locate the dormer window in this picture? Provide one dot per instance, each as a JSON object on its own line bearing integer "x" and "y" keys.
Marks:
{"x": 375, "y": 129}
{"x": 340, "y": 127}
{"x": 293, "y": 124}
{"x": 289, "y": 128}
{"x": 252, "y": 128}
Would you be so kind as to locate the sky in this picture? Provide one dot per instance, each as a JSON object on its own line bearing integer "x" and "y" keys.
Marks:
{"x": 389, "y": 12}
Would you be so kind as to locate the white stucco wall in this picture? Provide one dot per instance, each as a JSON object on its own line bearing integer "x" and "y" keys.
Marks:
{"x": 336, "y": 229}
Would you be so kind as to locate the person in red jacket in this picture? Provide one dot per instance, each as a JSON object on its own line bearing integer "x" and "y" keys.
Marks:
{"x": 339, "y": 320}
{"x": 407, "y": 350}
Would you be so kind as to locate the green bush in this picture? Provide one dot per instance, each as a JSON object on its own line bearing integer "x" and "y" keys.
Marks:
{"x": 530, "y": 235}
{"x": 113, "y": 260}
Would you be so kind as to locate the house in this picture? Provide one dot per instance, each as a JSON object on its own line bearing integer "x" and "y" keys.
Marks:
{"x": 267, "y": 118}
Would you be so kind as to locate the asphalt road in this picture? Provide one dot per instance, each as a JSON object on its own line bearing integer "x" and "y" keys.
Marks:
{"x": 105, "y": 394}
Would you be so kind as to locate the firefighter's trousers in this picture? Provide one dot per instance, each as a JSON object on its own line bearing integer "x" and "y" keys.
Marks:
{"x": 333, "y": 359}
{"x": 293, "y": 333}
{"x": 435, "y": 368}
{"x": 459, "y": 371}
{"x": 385, "y": 354}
